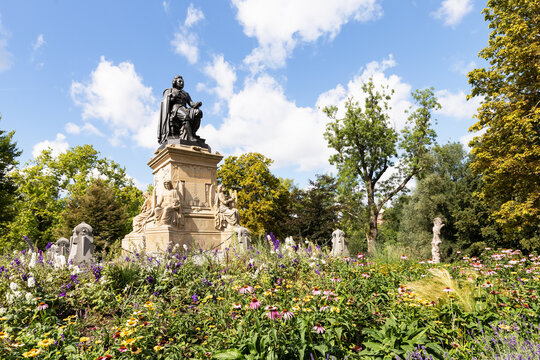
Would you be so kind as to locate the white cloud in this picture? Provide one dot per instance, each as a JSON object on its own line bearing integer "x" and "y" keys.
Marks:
{"x": 40, "y": 41}
{"x": 453, "y": 11}
{"x": 58, "y": 145}
{"x": 6, "y": 58}
{"x": 401, "y": 99}
{"x": 224, "y": 74}
{"x": 86, "y": 129}
{"x": 193, "y": 16}
{"x": 456, "y": 105}
{"x": 262, "y": 119}
{"x": 299, "y": 21}
{"x": 116, "y": 94}
{"x": 185, "y": 42}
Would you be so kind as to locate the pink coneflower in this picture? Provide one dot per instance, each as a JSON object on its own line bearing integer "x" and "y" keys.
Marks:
{"x": 421, "y": 262}
{"x": 316, "y": 291}
{"x": 365, "y": 275}
{"x": 335, "y": 279}
{"x": 487, "y": 284}
{"x": 324, "y": 308}
{"x": 286, "y": 314}
{"x": 42, "y": 306}
{"x": 328, "y": 293}
{"x": 246, "y": 289}
{"x": 448, "y": 289}
{"x": 360, "y": 256}
{"x": 318, "y": 328}
{"x": 255, "y": 304}
{"x": 404, "y": 257}
{"x": 458, "y": 252}
{"x": 237, "y": 306}
{"x": 273, "y": 312}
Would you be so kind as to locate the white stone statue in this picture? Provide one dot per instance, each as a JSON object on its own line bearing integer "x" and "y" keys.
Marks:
{"x": 225, "y": 207}
{"x": 339, "y": 244}
{"x": 436, "y": 242}
{"x": 146, "y": 214}
{"x": 244, "y": 239}
{"x": 62, "y": 246}
{"x": 81, "y": 249}
{"x": 168, "y": 208}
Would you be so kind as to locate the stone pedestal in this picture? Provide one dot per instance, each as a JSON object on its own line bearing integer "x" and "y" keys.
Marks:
{"x": 192, "y": 171}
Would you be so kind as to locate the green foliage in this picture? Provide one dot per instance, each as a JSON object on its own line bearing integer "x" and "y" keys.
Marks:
{"x": 367, "y": 147}
{"x": 8, "y": 155}
{"x": 100, "y": 207}
{"x": 445, "y": 190}
{"x": 315, "y": 210}
{"x": 46, "y": 184}
{"x": 263, "y": 199}
{"x": 507, "y": 152}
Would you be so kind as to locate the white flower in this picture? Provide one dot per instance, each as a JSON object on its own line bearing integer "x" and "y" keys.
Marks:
{"x": 29, "y": 297}
{"x": 2, "y": 310}
{"x": 9, "y": 298}
{"x": 185, "y": 247}
{"x": 33, "y": 261}
{"x": 13, "y": 286}
{"x": 31, "y": 282}
{"x": 17, "y": 294}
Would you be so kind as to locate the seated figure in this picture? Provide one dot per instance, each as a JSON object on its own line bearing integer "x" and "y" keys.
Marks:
{"x": 226, "y": 212}
{"x": 168, "y": 209}
{"x": 177, "y": 120}
{"x": 145, "y": 215}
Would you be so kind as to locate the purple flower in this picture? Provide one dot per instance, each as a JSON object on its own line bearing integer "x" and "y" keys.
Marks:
{"x": 48, "y": 245}
{"x": 74, "y": 278}
{"x": 150, "y": 279}
{"x": 157, "y": 293}
{"x": 62, "y": 294}
{"x": 195, "y": 298}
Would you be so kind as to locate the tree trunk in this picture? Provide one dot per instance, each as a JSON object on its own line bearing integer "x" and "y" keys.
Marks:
{"x": 372, "y": 234}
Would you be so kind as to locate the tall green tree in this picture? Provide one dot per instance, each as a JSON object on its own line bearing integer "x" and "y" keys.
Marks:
{"x": 367, "y": 147}
{"x": 315, "y": 210}
{"x": 507, "y": 153}
{"x": 263, "y": 198}
{"x": 102, "y": 208}
{"x": 46, "y": 184}
{"x": 8, "y": 161}
{"x": 446, "y": 190}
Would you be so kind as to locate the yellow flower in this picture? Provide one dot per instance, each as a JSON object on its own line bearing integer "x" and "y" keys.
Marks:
{"x": 158, "y": 348}
{"x": 46, "y": 342}
{"x": 135, "y": 350}
{"x": 32, "y": 353}
{"x": 3, "y": 335}
{"x": 334, "y": 309}
{"x": 132, "y": 322}
{"x": 220, "y": 298}
{"x": 84, "y": 339}
{"x": 137, "y": 312}
{"x": 128, "y": 341}
{"x": 126, "y": 332}
{"x": 98, "y": 342}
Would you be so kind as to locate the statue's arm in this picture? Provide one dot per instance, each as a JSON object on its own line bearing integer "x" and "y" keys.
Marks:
{"x": 195, "y": 105}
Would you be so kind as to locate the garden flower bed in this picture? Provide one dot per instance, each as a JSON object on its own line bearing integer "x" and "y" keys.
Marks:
{"x": 270, "y": 303}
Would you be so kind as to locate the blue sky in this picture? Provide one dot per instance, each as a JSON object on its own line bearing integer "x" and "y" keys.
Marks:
{"x": 93, "y": 72}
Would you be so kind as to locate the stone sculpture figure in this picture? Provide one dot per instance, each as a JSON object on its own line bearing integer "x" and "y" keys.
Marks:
{"x": 244, "y": 238}
{"x": 145, "y": 215}
{"x": 436, "y": 242}
{"x": 62, "y": 246}
{"x": 339, "y": 244}
{"x": 168, "y": 209}
{"x": 180, "y": 117}
{"x": 81, "y": 249}
{"x": 226, "y": 212}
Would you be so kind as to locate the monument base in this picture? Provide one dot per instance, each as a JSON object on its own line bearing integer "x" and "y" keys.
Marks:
{"x": 192, "y": 172}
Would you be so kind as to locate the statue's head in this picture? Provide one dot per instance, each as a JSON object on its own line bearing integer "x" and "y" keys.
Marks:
{"x": 178, "y": 82}
{"x": 168, "y": 184}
